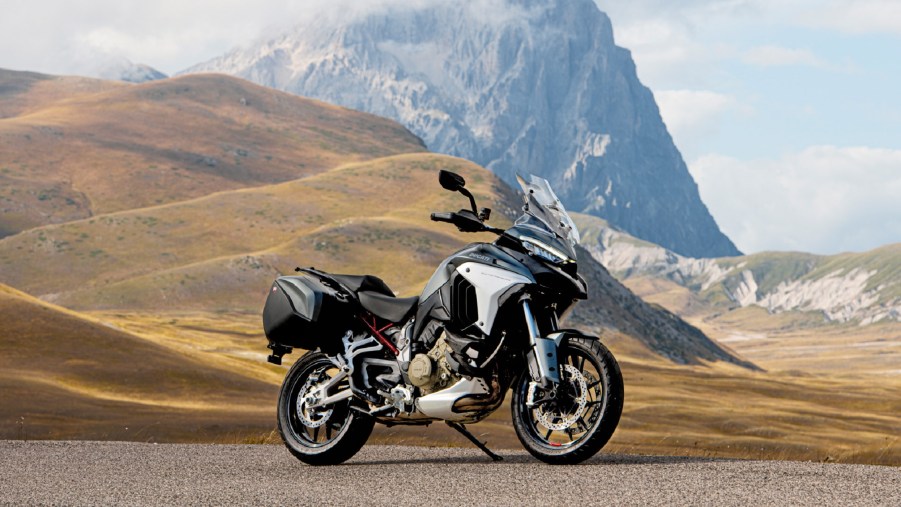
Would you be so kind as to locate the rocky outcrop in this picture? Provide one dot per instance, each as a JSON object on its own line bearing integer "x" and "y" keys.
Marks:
{"x": 840, "y": 296}
{"x": 124, "y": 70}
{"x": 745, "y": 293}
{"x": 515, "y": 85}
{"x": 610, "y": 304}
{"x": 863, "y": 288}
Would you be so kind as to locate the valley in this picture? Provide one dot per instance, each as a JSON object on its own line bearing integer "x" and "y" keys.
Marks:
{"x": 784, "y": 311}
{"x": 133, "y": 314}
{"x": 715, "y": 410}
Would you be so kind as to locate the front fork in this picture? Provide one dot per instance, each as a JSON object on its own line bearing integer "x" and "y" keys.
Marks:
{"x": 542, "y": 354}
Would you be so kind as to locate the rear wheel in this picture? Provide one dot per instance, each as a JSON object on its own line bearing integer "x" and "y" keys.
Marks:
{"x": 580, "y": 418}
{"x": 325, "y": 435}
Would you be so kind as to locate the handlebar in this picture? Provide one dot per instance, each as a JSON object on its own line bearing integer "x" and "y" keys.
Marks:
{"x": 465, "y": 221}
{"x": 443, "y": 217}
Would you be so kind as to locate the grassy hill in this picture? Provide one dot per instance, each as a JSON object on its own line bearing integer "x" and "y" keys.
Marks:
{"x": 864, "y": 287}
{"x": 65, "y": 375}
{"x": 782, "y": 310}
{"x": 611, "y": 305}
{"x": 221, "y": 251}
{"x": 73, "y": 148}
{"x": 191, "y": 194}
{"x": 24, "y": 92}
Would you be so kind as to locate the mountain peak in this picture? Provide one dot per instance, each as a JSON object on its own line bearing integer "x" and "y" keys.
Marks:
{"x": 514, "y": 85}
{"x": 130, "y": 72}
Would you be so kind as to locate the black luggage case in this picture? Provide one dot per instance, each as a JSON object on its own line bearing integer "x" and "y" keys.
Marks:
{"x": 303, "y": 312}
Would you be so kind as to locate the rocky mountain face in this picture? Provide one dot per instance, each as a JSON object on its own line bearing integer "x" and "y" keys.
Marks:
{"x": 517, "y": 86}
{"x": 853, "y": 287}
{"x": 130, "y": 72}
{"x": 611, "y": 305}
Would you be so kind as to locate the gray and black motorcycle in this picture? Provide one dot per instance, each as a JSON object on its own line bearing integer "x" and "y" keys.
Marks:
{"x": 486, "y": 323}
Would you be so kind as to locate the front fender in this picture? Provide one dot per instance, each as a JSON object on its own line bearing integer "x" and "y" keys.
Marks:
{"x": 562, "y": 336}
{"x": 542, "y": 358}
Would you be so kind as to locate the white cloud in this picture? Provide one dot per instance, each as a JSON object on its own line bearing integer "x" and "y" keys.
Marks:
{"x": 857, "y": 16}
{"x": 664, "y": 49}
{"x": 63, "y": 36}
{"x": 823, "y": 199}
{"x": 691, "y": 116}
{"x": 666, "y": 38}
{"x": 687, "y": 43}
{"x": 72, "y": 37}
{"x": 777, "y": 56}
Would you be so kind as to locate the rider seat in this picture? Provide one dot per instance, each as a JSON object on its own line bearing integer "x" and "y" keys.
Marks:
{"x": 390, "y": 308}
{"x": 358, "y": 283}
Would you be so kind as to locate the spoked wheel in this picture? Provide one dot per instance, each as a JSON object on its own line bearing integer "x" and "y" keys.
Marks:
{"x": 319, "y": 435}
{"x": 579, "y": 419}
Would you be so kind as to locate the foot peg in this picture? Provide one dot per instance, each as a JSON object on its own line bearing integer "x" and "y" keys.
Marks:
{"x": 481, "y": 445}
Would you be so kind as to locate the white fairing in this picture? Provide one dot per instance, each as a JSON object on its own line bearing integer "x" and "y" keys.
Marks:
{"x": 490, "y": 283}
{"x": 440, "y": 405}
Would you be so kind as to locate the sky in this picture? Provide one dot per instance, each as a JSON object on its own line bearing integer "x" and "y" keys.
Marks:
{"x": 787, "y": 112}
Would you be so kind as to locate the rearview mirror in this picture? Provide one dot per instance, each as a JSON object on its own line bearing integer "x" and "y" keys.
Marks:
{"x": 451, "y": 181}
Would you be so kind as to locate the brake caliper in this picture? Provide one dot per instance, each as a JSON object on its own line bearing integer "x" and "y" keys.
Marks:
{"x": 548, "y": 413}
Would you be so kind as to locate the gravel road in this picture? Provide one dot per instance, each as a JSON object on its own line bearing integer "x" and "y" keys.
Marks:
{"x": 119, "y": 473}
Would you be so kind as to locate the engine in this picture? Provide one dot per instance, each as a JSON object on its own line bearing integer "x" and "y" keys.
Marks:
{"x": 431, "y": 372}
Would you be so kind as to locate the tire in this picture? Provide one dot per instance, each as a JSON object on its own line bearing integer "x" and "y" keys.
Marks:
{"x": 580, "y": 428}
{"x": 336, "y": 433}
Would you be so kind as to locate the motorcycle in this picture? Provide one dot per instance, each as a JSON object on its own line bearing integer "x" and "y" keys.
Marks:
{"x": 485, "y": 323}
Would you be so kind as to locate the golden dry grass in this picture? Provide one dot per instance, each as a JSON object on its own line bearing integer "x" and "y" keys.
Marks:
{"x": 64, "y": 375}
{"x": 175, "y": 263}
{"x": 222, "y": 250}
{"x": 712, "y": 410}
{"x": 73, "y": 148}
{"x": 790, "y": 341}
{"x": 26, "y": 92}
{"x": 722, "y": 411}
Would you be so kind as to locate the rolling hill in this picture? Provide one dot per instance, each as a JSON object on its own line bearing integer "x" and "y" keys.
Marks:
{"x": 611, "y": 305}
{"x": 179, "y": 206}
{"x": 72, "y": 148}
{"x": 220, "y": 252}
{"x": 65, "y": 375}
{"x": 199, "y": 253}
{"x": 167, "y": 343}
{"x": 863, "y": 288}
{"x": 25, "y": 92}
{"x": 782, "y": 310}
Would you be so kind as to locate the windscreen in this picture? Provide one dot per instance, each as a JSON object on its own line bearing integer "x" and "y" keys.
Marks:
{"x": 544, "y": 205}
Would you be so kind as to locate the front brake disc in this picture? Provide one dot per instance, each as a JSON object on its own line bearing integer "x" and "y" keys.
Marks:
{"x": 563, "y": 421}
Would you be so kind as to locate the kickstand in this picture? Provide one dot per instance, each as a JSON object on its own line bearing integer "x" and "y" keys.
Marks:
{"x": 481, "y": 445}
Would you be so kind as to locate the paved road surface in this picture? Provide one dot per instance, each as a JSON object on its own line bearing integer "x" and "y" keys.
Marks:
{"x": 116, "y": 473}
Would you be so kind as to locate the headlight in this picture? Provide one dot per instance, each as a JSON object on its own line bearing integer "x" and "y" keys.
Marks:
{"x": 546, "y": 252}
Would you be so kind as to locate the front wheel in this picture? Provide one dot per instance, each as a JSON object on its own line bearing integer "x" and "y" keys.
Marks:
{"x": 324, "y": 435}
{"x": 574, "y": 423}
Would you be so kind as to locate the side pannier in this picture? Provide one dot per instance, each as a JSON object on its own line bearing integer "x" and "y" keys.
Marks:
{"x": 303, "y": 312}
